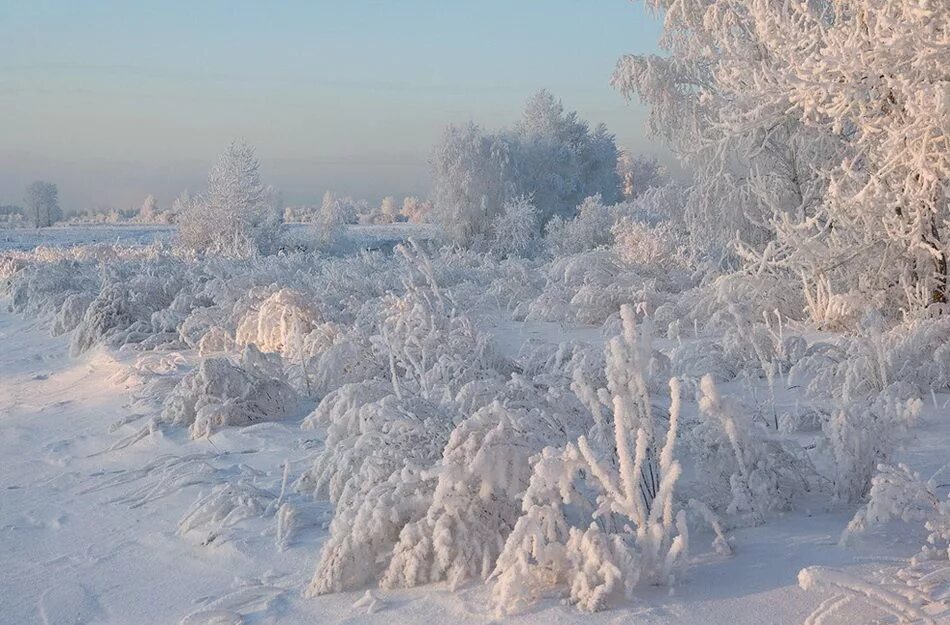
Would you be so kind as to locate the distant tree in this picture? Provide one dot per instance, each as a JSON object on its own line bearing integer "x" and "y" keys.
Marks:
{"x": 11, "y": 216}
{"x": 388, "y": 211}
{"x": 274, "y": 198}
{"x": 558, "y": 160}
{"x": 330, "y": 219}
{"x": 550, "y": 155}
{"x": 150, "y": 213}
{"x": 234, "y": 218}
{"x": 469, "y": 169}
{"x": 638, "y": 174}
{"x": 415, "y": 210}
{"x": 42, "y": 203}
{"x": 181, "y": 205}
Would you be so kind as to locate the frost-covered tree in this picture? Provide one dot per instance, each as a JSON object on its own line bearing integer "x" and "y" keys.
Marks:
{"x": 388, "y": 211}
{"x": 42, "y": 203}
{"x": 559, "y": 160}
{"x": 874, "y": 72}
{"x": 550, "y": 155}
{"x": 638, "y": 174}
{"x": 234, "y": 218}
{"x": 415, "y": 210}
{"x": 330, "y": 219}
{"x": 182, "y": 204}
{"x": 150, "y": 212}
{"x": 817, "y": 136}
{"x": 469, "y": 176}
{"x": 149, "y": 208}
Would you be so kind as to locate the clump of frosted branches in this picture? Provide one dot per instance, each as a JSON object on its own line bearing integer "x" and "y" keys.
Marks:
{"x": 589, "y": 229}
{"x": 220, "y": 393}
{"x": 748, "y": 471}
{"x": 514, "y": 231}
{"x": 598, "y": 516}
{"x": 860, "y": 436}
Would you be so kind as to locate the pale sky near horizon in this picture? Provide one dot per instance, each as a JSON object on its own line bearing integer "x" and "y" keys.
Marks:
{"x": 113, "y": 100}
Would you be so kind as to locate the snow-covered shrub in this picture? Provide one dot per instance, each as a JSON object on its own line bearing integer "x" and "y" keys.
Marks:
{"x": 430, "y": 349}
{"x": 914, "y": 355}
{"x": 138, "y": 303}
{"x": 215, "y": 340}
{"x": 370, "y": 469}
{"x": 109, "y": 311}
{"x": 919, "y": 590}
{"x": 638, "y": 174}
{"x": 638, "y": 243}
{"x": 588, "y": 230}
{"x": 474, "y": 504}
{"x": 514, "y": 230}
{"x": 896, "y": 493}
{"x": 861, "y": 435}
{"x": 70, "y": 313}
{"x": 220, "y": 393}
{"x": 484, "y": 470}
{"x": 598, "y": 515}
{"x": 280, "y": 323}
{"x": 40, "y": 286}
{"x": 746, "y": 471}
{"x": 214, "y": 514}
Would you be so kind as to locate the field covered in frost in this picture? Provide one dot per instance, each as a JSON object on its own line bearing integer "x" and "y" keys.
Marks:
{"x": 356, "y": 237}
{"x": 432, "y": 434}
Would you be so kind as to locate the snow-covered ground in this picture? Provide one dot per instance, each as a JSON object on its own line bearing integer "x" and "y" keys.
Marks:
{"x": 141, "y": 234}
{"x": 122, "y": 504}
{"x": 66, "y": 236}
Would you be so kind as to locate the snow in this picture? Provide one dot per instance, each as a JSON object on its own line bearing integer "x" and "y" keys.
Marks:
{"x": 68, "y": 236}
{"x": 355, "y": 236}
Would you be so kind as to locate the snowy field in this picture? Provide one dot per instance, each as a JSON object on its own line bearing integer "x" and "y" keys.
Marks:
{"x": 310, "y": 438}
{"x": 67, "y": 236}
{"x": 139, "y": 234}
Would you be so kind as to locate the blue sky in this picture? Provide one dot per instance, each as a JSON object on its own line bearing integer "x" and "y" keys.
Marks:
{"x": 116, "y": 99}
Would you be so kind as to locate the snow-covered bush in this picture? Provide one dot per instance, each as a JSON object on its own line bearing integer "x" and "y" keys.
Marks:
{"x": 71, "y": 313}
{"x": 914, "y": 355}
{"x": 479, "y": 482}
{"x": 861, "y": 435}
{"x": 747, "y": 471}
{"x": 137, "y": 303}
{"x": 515, "y": 230}
{"x": 598, "y": 516}
{"x": 589, "y": 229}
{"x": 637, "y": 174}
{"x": 220, "y": 393}
{"x": 919, "y": 589}
{"x": 280, "y": 324}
